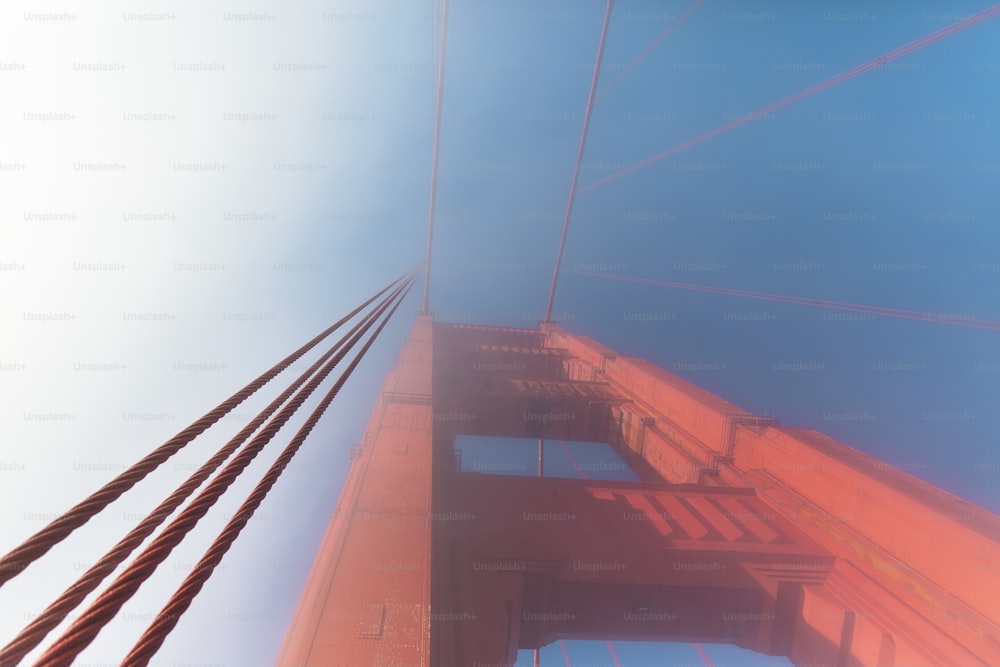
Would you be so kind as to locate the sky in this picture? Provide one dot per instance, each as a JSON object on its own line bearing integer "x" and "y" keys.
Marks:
{"x": 190, "y": 191}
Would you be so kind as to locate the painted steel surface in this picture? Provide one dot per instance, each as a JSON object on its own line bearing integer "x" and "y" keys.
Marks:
{"x": 742, "y": 531}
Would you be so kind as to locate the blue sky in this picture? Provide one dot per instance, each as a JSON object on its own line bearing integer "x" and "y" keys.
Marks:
{"x": 881, "y": 190}
{"x": 844, "y": 228}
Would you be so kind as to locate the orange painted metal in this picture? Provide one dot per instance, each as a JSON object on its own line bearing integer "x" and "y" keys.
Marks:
{"x": 740, "y": 531}
{"x": 367, "y": 598}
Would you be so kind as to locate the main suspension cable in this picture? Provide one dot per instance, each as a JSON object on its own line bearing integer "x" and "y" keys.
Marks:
{"x": 85, "y": 628}
{"x": 35, "y": 632}
{"x": 15, "y": 562}
{"x": 167, "y": 619}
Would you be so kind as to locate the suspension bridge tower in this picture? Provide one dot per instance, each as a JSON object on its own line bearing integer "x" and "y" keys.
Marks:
{"x": 740, "y": 531}
{"x": 735, "y": 530}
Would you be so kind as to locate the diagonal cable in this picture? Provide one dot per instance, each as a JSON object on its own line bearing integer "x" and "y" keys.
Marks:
{"x": 579, "y": 157}
{"x": 38, "y": 544}
{"x": 167, "y": 619}
{"x": 649, "y": 49}
{"x": 882, "y": 311}
{"x": 35, "y": 632}
{"x": 85, "y": 628}
{"x": 874, "y": 63}
{"x": 703, "y": 655}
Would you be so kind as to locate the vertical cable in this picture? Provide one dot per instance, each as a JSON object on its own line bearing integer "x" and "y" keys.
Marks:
{"x": 579, "y": 159}
{"x": 649, "y": 49}
{"x": 434, "y": 157}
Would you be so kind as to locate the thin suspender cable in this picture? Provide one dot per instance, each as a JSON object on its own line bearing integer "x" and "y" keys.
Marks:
{"x": 938, "y": 35}
{"x": 572, "y": 460}
{"x": 35, "y": 632}
{"x": 579, "y": 158}
{"x": 434, "y": 158}
{"x": 167, "y": 619}
{"x": 704, "y": 656}
{"x": 38, "y": 544}
{"x": 435, "y": 10}
{"x": 882, "y": 311}
{"x": 649, "y": 49}
{"x": 85, "y": 628}
{"x": 614, "y": 654}
{"x": 562, "y": 645}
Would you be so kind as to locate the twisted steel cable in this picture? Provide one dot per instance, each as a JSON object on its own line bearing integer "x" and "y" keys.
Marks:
{"x": 38, "y": 544}
{"x": 154, "y": 636}
{"x": 33, "y": 634}
{"x": 85, "y": 628}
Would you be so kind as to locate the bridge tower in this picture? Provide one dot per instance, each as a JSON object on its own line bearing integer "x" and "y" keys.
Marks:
{"x": 780, "y": 540}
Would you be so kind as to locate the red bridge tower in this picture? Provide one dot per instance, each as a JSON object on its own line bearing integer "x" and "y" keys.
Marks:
{"x": 780, "y": 540}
